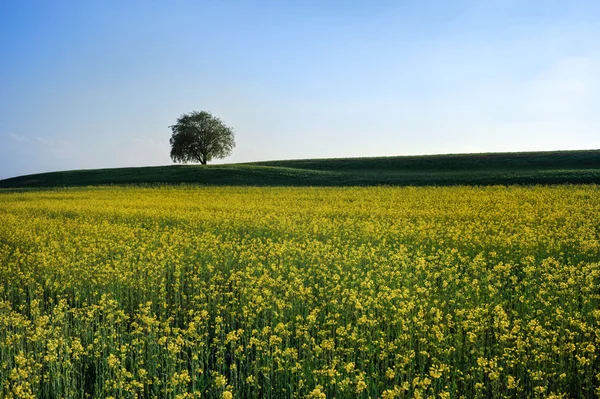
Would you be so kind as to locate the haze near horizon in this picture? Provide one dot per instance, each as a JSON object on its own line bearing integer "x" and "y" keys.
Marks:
{"x": 96, "y": 84}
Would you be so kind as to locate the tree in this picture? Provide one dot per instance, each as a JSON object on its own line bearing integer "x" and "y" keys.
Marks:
{"x": 200, "y": 137}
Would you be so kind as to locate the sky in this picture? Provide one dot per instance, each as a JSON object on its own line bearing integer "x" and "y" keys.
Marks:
{"x": 96, "y": 84}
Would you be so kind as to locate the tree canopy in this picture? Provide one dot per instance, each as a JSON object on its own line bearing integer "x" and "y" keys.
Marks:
{"x": 200, "y": 137}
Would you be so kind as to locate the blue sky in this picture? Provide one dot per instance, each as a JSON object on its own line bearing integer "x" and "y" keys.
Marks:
{"x": 93, "y": 84}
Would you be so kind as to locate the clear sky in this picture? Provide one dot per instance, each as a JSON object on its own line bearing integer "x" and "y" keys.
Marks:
{"x": 92, "y": 84}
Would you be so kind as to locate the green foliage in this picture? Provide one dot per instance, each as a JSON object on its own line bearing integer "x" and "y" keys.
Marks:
{"x": 200, "y": 137}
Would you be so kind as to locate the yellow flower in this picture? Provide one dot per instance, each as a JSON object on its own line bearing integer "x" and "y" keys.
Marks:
{"x": 220, "y": 381}
{"x": 360, "y": 386}
{"x": 317, "y": 393}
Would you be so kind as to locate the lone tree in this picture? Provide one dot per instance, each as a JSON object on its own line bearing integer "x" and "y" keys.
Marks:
{"x": 200, "y": 137}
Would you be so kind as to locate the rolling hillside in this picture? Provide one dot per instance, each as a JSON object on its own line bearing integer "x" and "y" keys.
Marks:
{"x": 559, "y": 167}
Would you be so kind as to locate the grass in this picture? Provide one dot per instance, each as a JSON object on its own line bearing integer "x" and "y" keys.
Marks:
{"x": 557, "y": 167}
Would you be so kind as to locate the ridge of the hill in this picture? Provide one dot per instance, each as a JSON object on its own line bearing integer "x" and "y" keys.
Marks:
{"x": 548, "y": 167}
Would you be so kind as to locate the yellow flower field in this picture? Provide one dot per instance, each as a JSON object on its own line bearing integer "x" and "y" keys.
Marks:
{"x": 228, "y": 292}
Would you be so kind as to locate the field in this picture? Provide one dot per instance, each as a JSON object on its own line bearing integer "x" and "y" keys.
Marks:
{"x": 238, "y": 292}
{"x": 555, "y": 167}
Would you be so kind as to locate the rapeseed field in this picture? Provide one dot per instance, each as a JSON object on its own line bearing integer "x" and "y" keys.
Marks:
{"x": 377, "y": 292}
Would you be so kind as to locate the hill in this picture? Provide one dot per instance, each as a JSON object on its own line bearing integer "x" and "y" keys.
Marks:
{"x": 557, "y": 167}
